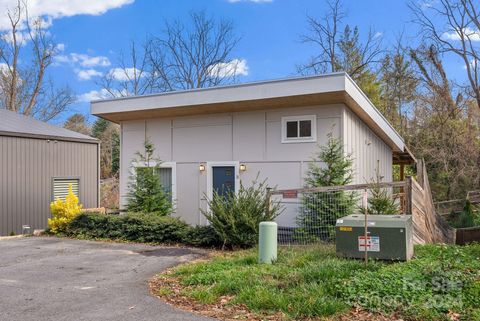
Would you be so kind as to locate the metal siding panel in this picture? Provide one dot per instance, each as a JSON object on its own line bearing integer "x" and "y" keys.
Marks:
{"x": 25, "y": 182}
{"x": 3, "y": 198}
{"x": 366, "y": 156}
{"x": 27, "y": 168}
{"x": 44, "y": 180}
{"x": 14, "y": 184}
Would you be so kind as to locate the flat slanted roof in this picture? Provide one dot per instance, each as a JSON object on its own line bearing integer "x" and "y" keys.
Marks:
{"x": 291, "y": 92}
{"x": 16, "y": 125}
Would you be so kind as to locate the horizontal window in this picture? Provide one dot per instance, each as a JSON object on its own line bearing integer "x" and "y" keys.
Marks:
{"x": 299, "y": 129}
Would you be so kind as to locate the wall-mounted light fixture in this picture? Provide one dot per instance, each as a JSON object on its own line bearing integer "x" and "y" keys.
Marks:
{"x": 243, "y": 167}
{"x": 201, "y": 168}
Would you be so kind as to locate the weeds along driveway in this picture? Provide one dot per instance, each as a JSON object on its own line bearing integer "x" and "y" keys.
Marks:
{"x": 60, "y": 279}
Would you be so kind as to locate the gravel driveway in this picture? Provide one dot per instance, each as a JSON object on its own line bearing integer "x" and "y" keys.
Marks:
{"x": 43, "y": 278}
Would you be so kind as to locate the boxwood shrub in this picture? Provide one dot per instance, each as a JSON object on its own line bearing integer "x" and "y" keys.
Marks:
{"x": 203, "y": 236}
{"x": 144, "y": 228}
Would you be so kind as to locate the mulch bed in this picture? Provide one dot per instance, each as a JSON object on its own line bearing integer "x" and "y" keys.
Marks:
{"x": 168, "y": 289}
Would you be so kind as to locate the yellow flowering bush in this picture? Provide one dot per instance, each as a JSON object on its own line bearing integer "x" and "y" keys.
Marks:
{"x": 63, "y": 211}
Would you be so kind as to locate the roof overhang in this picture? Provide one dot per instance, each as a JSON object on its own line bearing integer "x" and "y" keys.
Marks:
{"x": 293, "y": 92}
{"x": 404, "y": 157}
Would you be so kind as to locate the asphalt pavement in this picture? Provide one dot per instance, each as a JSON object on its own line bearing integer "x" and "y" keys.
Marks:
{"x": 47, "y": 278}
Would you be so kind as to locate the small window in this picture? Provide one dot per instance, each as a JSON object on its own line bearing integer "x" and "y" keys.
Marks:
{"x": 165, "y": 174}
{"x": 61, "y": 186}
{"x": 292, "y": 129}
{"x": 299, "y": 129}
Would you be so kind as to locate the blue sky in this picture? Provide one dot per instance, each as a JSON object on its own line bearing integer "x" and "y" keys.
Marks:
{"x": 270, "y": 32}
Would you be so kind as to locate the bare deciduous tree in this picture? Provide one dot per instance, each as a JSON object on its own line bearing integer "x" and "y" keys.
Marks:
{"x": 454, "y": 26}
{"x": 24, "y": 87}
{"x": 325, "y": 33}
{"x": 185, "y": 56}
{"x": 194, "y": 56}
{"x": 442, "y": 129}
{"x": 339, "y": 46}
{"x": 133, "y": 74}
{"x": 432, "y": 75}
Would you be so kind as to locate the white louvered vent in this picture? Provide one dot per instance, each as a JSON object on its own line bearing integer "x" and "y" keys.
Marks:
{"x": 60, "y": 187}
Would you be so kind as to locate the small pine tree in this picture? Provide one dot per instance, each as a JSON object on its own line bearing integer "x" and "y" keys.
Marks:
{"x": 146, "y": 193}
{"x": 380, "y": 201}
{"x": 469, "y": 217}
{"x": 235, "y": 217}
{"x": 320, "y": 211}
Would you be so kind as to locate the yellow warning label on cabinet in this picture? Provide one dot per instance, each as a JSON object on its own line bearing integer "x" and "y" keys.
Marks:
{"x": 345, "y": 229}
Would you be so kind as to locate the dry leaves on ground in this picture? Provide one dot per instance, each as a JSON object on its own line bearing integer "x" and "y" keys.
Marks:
{"x": 168, "y": 288}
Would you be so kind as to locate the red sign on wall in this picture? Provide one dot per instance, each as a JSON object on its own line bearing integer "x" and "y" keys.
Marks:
{"x": 290, "y": 194}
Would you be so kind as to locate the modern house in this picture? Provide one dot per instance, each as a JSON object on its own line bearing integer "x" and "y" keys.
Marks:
{"x": 38, "y": 162}
{"x": 209, "y": 138}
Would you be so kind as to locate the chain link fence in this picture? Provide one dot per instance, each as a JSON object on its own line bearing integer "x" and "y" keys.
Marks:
{"x": 309, "y": 215}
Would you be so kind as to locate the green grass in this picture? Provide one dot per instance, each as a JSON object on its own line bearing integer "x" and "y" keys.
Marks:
{"x": 312, "y": 282}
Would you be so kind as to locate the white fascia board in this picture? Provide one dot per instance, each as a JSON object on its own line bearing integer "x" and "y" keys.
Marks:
{"x": 243, "y": 92}
{"x": 362, "y": 100}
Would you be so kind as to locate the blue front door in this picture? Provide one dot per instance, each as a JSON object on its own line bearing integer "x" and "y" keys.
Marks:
{"x": 224, "y": 179}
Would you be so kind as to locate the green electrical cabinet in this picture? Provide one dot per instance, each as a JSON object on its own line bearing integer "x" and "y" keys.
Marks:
{"x": 389, "y": 237}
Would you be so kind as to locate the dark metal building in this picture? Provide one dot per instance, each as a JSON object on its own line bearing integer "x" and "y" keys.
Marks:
{"x": 38, "y": 162}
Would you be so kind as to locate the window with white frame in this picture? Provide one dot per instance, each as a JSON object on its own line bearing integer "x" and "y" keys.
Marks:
{"x": 167, "y": 174}
{"x": 299, "y": 129}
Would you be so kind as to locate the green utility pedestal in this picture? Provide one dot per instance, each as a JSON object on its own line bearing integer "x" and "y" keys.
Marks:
{"x": 390, "y": 237}
{"x": 267, "y": 242}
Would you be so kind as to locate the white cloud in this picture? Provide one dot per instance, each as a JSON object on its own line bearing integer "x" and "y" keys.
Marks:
{"x": 61, "y": 47}
{"x": 428, "y": 3}
{"x": 122, "y": 74}
{"x": 93, "y": 95}
{"x": 378, "y": 35}
{"x": 90, "y": 61}
{"x": 87, "y": 74}
{"x": 474, "y": 35}
{"x": 254, "y": 1}
{"x": 83, "y": 60}
{"x": 54, "y": 9}
{"x": 235, "y": 67}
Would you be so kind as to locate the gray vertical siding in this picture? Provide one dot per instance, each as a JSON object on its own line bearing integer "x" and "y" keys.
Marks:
{"x": 367, "y": 149}
{"x": 27, "y": 168}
